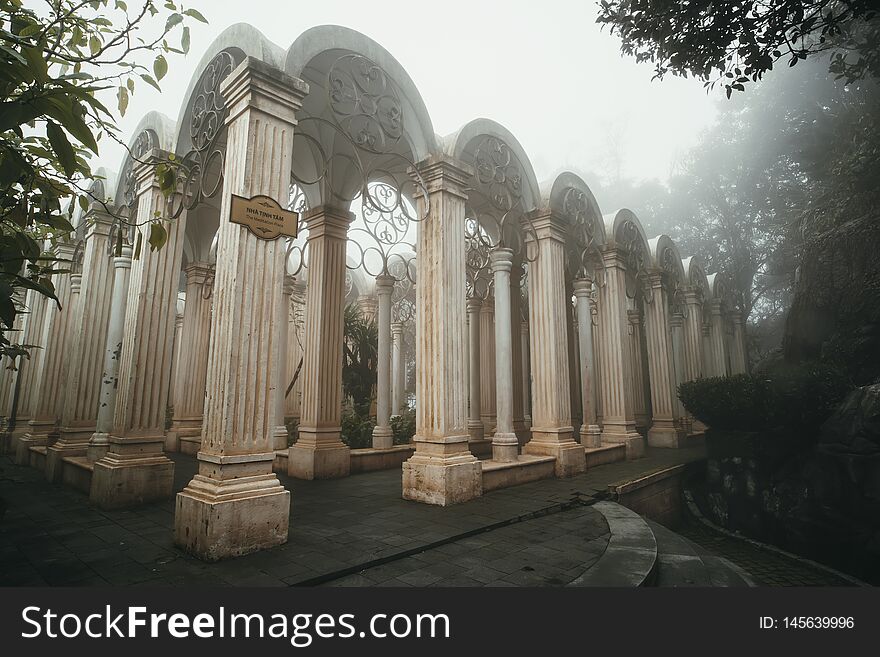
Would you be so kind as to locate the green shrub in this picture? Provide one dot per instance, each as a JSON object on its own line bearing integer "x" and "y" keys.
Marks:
{"x": 404, "y": 426}
{"x": 357, "y": 429}
{"x": 797, "y": 398}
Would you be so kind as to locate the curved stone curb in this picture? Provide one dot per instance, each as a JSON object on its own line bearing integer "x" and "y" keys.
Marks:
{"x": 631, "y": 556}
{"x": 695, "y": 511}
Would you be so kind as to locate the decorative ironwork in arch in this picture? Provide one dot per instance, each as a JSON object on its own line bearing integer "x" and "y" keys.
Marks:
{"x": 479, "y": 281}
{"x": 583, "y": 255}
{"x": 673, "y": 280}
{"x": 364, "y": 117}
{"x": 207, "y": 120}
{"x": 636, "y": 261}
{"x": 296, "y": 250}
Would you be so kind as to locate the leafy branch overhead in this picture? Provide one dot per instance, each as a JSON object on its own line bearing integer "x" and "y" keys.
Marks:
{"x": 736, "y": 42}
{"x": 61, "y": 63}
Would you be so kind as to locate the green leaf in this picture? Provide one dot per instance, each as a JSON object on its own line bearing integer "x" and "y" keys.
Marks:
{"x": 160, "y": 67}
{"x": 184, "y": 40}
{"x": 94, "y": 44}
{"x": 83, "y": 203}
{"x": 138, "y": 244}
{"x": 37, "y": 64}
{"x": 192, "y": 13}
{"x": 61, "y": 146}
{"x": 173, "y": 19}
{"x": 158, "y": 236}
{"x": 150, "y": 81}
{"x": 122, "y": 97}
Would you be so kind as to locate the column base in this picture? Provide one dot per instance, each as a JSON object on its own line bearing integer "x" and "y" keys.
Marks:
{"x": 476, "y": 431}
{"x": 591, "y": 436}
{"x": 121, "y": 483}
{"x": 218, "y": 519}
{"x": 73, "y": 442}
{"x": 20, "y": 446}
{"x": 626, "y": 434}
{"x": 505, "y": 447}
{"x": 99, "y": 445}
{"x": 665, "y": 434}
{"x": 442, "y": 472}
{"x": 182, "y": 428}
{"x": 318, "y": 454}
{"x": 558, "y": 442}
{"x": 383, "y": 438}
{"x": 522, "y": 431}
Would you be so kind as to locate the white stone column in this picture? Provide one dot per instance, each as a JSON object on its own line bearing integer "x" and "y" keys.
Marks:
{"x": 488, "y": 395}
{"x": 397, "y": 384}
{"x": 717, "y": 346}
{"x": 738, "y": 361}
{"x": 552, "y": 433}
{"x": 476, "y": 430}
{"x": 294, "y": 348}
{"x": 135, "y": 470}
{"x": 280, "y": 436}
{"x": 676, "y": 327}
{"x": 235, "y": 504}
{"x": 55, "y": 339}
{"x": 79, "y": 415}
{"x": 383, "y": 437}
{"x": 26, "y": 382}
{"x": 526, "y": 375}
{"x": 574, "y": 359}
{"x": 99, "y": 443}
{"x": 319, "y": 453}
{"x": 192, "y": 368}
{"x": 442, "y": 471}
{"x": 638, "y": 384}
{"x": 590, "y": 433}
{"x": 520, "y": 428}
{"x": 663, "y": 431}
{"x": 693, "y": 335}
{"x": 176, "y": 371}
{"x": 505, "y": 445}
{"x": 615, "y": 360}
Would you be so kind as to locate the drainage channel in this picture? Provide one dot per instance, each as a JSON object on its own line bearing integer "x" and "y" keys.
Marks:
{"x": 577, "y": 499}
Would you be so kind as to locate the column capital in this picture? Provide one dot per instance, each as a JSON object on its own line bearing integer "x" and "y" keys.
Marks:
{"x": 145, "y": 171}
{"x": 396, "y": 329}
{"x": 524, "y": 327}
{"x": 676, "y": 319}
{"x": 198, "y": 273}
{"x": 474, "y": 305}
{"x": 288, "y": 285}
{"x": 546, "y": 225}
{"x": 75, "y": 283}
{"x": 64, "y": 250}
{"x": 583, "y": 288}
{"x": 488, "y": 305}
{"x": 692, "y": 296}
{"x": 256, "y": 85}
{"x": 327, "y": 221}
{"x": 99, "y": 222}
{"x": 442, "y": 172}
{"x": 123, "y": 260}
{"x": 613, "y": 256}
{"x": 501, "y": 259}
{"x": 384, "y": 284}
{"x": 634, "y": 316}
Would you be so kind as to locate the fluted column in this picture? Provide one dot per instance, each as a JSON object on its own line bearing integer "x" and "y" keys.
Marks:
{"x": 663, "y": 431}
{"x": 192, "y": 354}
{"x": 280, "y": 436}
{"x": 526, "y": 378}
{"x": 235, "y": 504}
{"x": 442, "y": 470}
{"x": 476, "y": 429}
{"x": 717, "y": 340}
{"x": 24, "y": 391}
{"x": 505, "y": 445}
{"x": 589, "y": 432}
{"x": 99, "y": 442}
{"x": 135, "y": 469}
{"x": 383, "y": 437}
{"x": 574, "y": 358}
{"x": 294, "y": 349}
{"x": 738, "y": 361}
{"x": 676, "y": 327}
{"x": 79, "y": 416}
{"x": 552, "y": 433}
{"x": 638, "y": 384}
{"x": 693, "y": 335}
{"x": 520, "y": 428}
{"x": 615, "y": 360}
{"x": 397, "y": 392}
{"x": 487, "y": 365}
{"x": 319, "y": 453}
{"x": 176, "y": 372}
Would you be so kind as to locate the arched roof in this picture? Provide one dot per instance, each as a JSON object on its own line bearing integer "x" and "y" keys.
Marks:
{"x": 623, "y": 227}
{"x": 569, "y": 197}
{"x": 665, "y": 256}
{"x": 245, "y": 41}
{"x": 161, "y": 130}
{"x": 315, "y": 51}
{"x": 461, "y": 145}
{"x": 695, "y": 274}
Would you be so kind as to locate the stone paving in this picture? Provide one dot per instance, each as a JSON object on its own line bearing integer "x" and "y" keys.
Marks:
{"x": 339, "y": 528}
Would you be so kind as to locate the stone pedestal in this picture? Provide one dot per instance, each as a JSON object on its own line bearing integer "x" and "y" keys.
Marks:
{"x": 319, "y": 453}
{"x": 135, "y": 469}
{"x": 235, "y": 504}
{"x": 442, "y": 471}
{"x": 552, "y": 433}
{"x": 99, "y": 442}
{"x": 383, "y": 437}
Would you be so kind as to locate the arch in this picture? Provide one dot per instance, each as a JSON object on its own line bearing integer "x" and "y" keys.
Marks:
{"x": 462, "y": 145}
{"x": 154, "y": 130}
{"x": 695, "y": 274}
{"x": 314, "y": 51}
{"x": 665, "y": 257}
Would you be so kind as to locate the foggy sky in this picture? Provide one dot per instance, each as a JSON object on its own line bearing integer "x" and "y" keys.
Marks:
{"x": 544, "y": 70}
